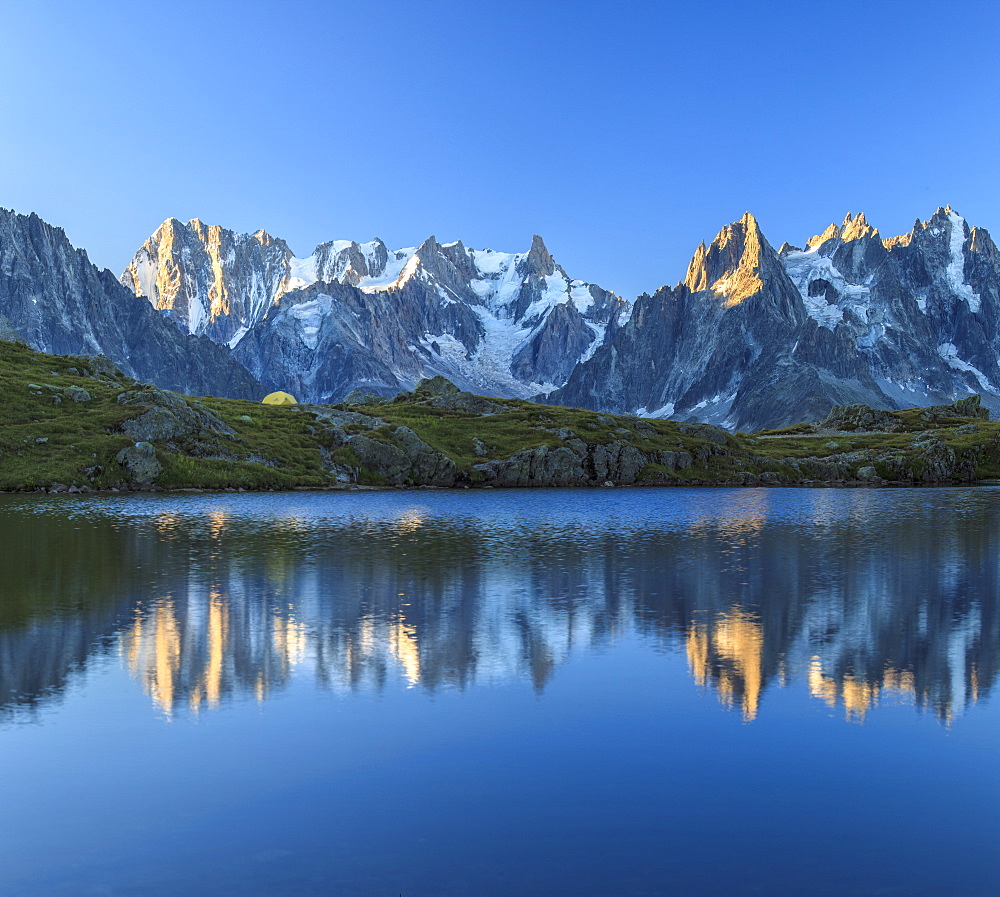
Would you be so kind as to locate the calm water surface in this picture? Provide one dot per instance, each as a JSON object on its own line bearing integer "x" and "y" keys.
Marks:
{"x": 704, "y": 692}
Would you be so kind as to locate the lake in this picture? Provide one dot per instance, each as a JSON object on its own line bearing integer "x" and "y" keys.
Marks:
{"x": 475, "y": 693}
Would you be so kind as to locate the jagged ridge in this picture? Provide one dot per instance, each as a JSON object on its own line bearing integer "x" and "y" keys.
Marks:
{"x": 356, "y": 315}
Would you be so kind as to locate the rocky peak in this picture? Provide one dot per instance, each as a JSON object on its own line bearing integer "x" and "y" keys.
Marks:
{"x": 832, "y": 232}
{"x": 731, "y": 265}
{"x": 57, "y": 301}
{"x": 428, "y": 257}
{"x": 981, "y": 241}
{"x": 857, "y": 228}
{"x": 349, "y": 263}
{"x": 696, "y": 277}
{"x": 853, "y": 227}
{"x": 539, "y": 261}
{"x": 891, "y": 243}
{"x": 937, "y": 236}
{"x": 461, "y": 258}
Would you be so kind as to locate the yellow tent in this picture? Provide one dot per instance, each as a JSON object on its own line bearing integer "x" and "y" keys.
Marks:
{"x": 280, "y": 398}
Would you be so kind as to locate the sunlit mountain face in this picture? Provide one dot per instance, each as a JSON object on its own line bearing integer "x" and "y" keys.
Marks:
{"x": 850, "y": 599}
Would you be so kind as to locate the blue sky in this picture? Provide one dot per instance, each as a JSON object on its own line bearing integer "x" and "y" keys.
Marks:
{"x": 624, "y": 133}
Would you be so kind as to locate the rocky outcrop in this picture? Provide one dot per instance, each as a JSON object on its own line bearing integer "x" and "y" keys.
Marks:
{"x": 860, "y": 418}
{"x": 406, "y": 460}
{"x": 169, "y": 416}
{"x": 968, "y": 407}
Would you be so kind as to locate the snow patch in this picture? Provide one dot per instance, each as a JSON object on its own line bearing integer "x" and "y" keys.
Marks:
{"x": 805, "y": 267}
{"x": 949, "y": 353}
{"x": 599, "y": 331}
{"x": 556, "y": 290}
{"x": 955, "y": 272}
{"x": 490, "y": 262}
{"x": 580, "y": 296}
{"x": 240, "y": 333}
{"x": 394, "y": 274}
{"x": 663, "y": 412}
{"x": 301, "y": 273}
{"x": 309, "y": 317}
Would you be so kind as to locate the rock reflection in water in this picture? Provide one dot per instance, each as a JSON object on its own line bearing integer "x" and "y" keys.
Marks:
{"x": 857, "y": 597}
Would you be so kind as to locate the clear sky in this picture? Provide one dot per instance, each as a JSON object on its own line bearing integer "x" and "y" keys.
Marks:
{"x": 622, "y": 132}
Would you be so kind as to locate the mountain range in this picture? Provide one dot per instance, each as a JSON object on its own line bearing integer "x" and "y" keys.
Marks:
{"x": 753, "y": 337}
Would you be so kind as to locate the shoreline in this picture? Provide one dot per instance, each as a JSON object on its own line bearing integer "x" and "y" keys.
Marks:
{"x": 353, "y": 487}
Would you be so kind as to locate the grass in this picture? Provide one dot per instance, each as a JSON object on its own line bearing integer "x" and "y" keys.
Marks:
{"x": 47, "y": 438}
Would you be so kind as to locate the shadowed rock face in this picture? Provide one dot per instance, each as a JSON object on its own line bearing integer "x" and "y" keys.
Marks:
{"x": 56, "y": 301}
{"x": 755, "y": 338}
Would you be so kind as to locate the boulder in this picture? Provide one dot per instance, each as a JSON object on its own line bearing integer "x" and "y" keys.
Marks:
{"x": 467, "y": 402}
{"x": 169, "y": 416}
{"x": 360, "y": 397}
{"x": 435, "y": 386}
{"x": 617, "y": 461}
{"x": 407, "y": 459}
{"x": 140, "y": 462}
{"x": 76, "y": 393}
{"x": 156, "y": 423}
{"x": 934, "y": 461}
{"x": 675, "y": 460}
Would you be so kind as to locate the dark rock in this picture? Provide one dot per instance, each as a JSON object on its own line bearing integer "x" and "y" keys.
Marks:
{"x": 675, "y": 460}
{"x": 539, "y": 466}
{"x": 706, "y": 432}
{"x": 860, "y": 417}
{"x": 934, "y": 460}
{"x": 617, "y": 461}
{"x": 435, "y": 386}
{"x": 169, "y": 416}
{"x": 468, "y": 403}
{"x": 360, "y": 397}
{"x": 407, "y": 460}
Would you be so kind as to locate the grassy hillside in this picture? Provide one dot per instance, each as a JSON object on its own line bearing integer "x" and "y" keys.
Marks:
{"x": 75, "y": 423}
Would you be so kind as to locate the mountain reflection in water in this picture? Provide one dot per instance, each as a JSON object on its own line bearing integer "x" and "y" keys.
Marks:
{"x": 856, "y": 596}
